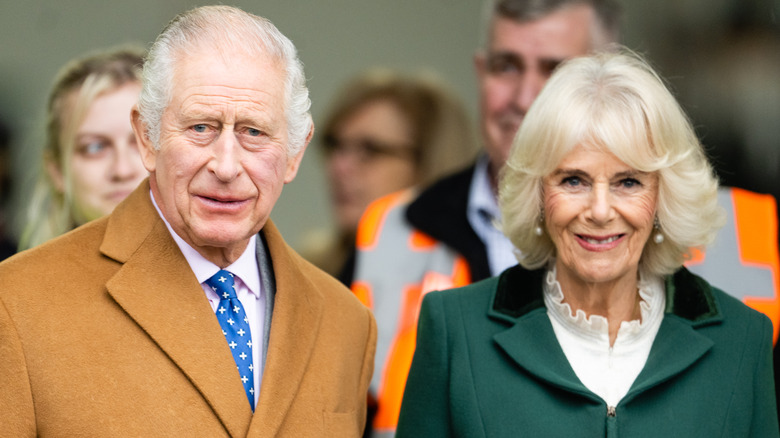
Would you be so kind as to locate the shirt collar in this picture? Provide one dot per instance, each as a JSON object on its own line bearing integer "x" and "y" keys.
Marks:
{"x": 651, "y": 307}
{"x": 245, "y": 267}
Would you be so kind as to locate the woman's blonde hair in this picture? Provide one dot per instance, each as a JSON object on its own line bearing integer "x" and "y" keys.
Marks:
{"x": 616, "y": 102}
{"x": 76, "y": 86}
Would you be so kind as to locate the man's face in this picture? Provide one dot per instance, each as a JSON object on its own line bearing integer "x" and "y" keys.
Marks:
{"x": 519, "y": 60}
{"x": 222, "y": 160}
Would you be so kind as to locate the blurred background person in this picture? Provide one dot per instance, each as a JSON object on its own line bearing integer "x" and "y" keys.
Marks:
{"x": 90, "y": 158}
{"x": 605, "y": 191}
{"x": 385, "y": 132}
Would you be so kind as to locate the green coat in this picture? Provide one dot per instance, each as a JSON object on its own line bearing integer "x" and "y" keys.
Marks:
{"x": 488, "y": 364}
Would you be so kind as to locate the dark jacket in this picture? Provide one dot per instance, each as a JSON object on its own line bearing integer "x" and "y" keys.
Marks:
{"x": 440, "y": 212}
{"x": 488, "y": 364}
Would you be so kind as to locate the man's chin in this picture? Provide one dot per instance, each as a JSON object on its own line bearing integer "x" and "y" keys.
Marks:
{"x": 220, "y": 234}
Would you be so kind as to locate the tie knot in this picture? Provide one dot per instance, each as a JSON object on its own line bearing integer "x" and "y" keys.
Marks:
{"x": 222, "y": 283}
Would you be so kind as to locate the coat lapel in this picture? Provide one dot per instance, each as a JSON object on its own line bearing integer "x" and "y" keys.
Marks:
{"x": 296, "y": 317}
{"x": 157, "y": 289}
{"x": 530, "y": 340}
{"x": 531, "y": 344}
{"x": 677, "y": 346}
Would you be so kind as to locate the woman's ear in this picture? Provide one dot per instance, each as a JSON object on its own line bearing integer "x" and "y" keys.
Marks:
{"x": 54, "y": 171}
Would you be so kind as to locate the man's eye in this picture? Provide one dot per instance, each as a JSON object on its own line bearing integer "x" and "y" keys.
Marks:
{"x": 200, "y": 128}
{"x": 253, "y": 132}
{"x": 548, "y": 67}
{"x": 504, "y": 64}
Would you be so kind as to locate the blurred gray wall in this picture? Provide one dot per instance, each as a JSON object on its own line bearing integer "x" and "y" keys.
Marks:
{"x": 338, "y": 38}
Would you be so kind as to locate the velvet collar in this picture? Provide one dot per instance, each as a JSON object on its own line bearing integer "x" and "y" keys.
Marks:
{"x": 688, "y": 296}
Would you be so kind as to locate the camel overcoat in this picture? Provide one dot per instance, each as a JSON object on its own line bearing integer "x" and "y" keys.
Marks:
{"x": 106, "y": 332}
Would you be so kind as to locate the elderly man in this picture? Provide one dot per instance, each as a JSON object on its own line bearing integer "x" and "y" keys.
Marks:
{"x": 411, "y": 243}
{"x": 184, "y": 313}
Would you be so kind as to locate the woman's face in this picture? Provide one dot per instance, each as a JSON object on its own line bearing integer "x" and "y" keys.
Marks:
{"x": 105, "y": 165}
{"x": 371, "y": 155}
{"x": 599, "y": 214}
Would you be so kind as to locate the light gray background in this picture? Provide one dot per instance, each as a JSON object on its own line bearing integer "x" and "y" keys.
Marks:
{"x": 339, "y": 38}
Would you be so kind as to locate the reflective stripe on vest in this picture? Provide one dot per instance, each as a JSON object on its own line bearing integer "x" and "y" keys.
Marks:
{"x": 744, "y": 259}
{"x": 420, "y": 265}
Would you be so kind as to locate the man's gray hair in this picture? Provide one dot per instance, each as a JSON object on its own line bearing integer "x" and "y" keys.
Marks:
{"x": 222, "y": 26}
{"x": 607, "y": 13}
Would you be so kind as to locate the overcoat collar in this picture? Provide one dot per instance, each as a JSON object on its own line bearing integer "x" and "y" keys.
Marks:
{"x": 530, "y": 341}
{"x": 157, "y": 289}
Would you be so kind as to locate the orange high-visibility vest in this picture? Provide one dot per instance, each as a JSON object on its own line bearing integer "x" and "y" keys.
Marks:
{"x": 744, "y": 259}
{"x": 420, "y": 265}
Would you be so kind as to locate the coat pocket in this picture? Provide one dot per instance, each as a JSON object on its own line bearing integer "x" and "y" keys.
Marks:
{"x": 342, "y": 424}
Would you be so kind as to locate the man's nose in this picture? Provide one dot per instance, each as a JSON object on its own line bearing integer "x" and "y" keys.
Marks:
{"x": 528, "y": 87}
{"x": 225, "y": 162}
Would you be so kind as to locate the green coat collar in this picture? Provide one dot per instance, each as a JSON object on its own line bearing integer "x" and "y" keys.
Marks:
{"x": 688, "y": 296}
{"x": 530, "y": 341}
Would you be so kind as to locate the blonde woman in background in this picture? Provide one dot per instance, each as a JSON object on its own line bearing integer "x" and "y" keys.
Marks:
{"x": 386, "y": 132}
{"x": 90, "y": 159}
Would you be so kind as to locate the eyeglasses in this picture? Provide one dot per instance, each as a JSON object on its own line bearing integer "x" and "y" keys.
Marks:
{"x": 366, "y": 150}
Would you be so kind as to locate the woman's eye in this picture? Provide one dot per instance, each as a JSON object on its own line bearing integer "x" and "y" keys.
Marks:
{"x": 630, "y": 183}
{"x": 92, "y": 148}
{"x": 573, "y": 181}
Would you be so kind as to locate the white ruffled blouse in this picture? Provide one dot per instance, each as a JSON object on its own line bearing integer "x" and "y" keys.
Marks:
{"x": 607, "y": 371}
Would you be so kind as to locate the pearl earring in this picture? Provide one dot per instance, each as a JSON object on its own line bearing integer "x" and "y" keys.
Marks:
{"x": 538, "y": 228}
{"x": 658, "y": 237}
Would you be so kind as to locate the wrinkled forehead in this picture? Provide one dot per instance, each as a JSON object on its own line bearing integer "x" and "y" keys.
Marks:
{"x": 228, "y": 66}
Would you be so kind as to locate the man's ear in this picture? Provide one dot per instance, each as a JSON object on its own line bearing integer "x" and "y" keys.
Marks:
{"x": 294, "y": 163}
{"x": 145, "y": 146}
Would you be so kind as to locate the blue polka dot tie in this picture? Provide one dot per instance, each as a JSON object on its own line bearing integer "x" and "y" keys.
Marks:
{"x": 235, "y": 327}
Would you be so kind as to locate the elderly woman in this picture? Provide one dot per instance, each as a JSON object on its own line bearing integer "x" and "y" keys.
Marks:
{"x": 601, "y": 331}
{"x": 91, "y": 160}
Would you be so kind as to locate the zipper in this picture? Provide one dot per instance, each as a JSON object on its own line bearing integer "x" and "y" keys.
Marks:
{"x": 611, "y": 411}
